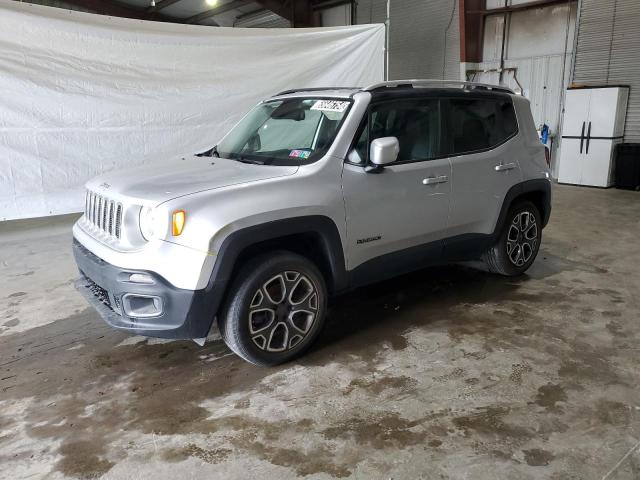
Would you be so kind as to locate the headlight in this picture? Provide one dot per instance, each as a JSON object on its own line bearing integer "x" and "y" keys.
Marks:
{"x": 153, "y": 223}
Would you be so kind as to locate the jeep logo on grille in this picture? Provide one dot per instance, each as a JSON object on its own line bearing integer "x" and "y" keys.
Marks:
{"x": 105, "y": 185}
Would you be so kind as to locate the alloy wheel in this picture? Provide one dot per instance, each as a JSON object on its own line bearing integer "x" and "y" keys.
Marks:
{"x": 282, "y": 311}
{"x": 522, "y": 238}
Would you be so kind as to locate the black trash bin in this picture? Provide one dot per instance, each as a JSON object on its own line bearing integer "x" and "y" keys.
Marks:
{"x": 627, "y": 166}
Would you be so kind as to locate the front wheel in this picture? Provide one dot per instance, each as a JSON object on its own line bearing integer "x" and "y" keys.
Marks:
{"x": 518, "y": 243}
{"x": 275, "y": 309}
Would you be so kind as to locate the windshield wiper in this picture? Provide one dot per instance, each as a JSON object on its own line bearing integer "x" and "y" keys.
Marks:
{"x": 249, "y": 160}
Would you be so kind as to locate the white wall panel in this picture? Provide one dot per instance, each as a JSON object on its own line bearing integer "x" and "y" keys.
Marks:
{"x": 541, "y": 31}
{"x": 492, "y": 41}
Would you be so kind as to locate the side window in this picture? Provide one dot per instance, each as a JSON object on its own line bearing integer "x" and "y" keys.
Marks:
{"x": 478, "y": 124}
{"x": 508, "y": 124}
{"x": 415, "y": 123}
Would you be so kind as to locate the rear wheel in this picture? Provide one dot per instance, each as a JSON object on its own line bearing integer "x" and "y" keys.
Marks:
{"x": 275, "y": 310}
{"x": 518, "y": 243}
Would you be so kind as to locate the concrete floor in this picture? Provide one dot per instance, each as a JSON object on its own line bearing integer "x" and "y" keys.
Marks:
{"x": 446, "y": 373}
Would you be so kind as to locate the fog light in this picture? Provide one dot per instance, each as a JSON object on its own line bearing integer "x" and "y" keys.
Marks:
{"x": 141, "y": 306}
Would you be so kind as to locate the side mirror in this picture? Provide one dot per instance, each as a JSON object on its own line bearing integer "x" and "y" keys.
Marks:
{"x": 384, "y": 151}
{"x": 254, "y": 144}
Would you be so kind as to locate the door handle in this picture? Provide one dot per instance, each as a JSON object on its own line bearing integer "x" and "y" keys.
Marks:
{"x": 504, "y": 166}
{"x": 434, "y": 180}
{"x": 588, "y": 139}
{"x": 582, "y": 137}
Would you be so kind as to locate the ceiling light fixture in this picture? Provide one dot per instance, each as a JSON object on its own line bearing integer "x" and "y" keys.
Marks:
{"x": 153, "y": 3}
{"x": 211, "y": 3}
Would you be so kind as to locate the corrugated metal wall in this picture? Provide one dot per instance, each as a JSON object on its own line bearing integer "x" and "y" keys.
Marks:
{"x": 425, "y": 36}
{"x": 608, "y": 51}
{"x": 262, "y": 19}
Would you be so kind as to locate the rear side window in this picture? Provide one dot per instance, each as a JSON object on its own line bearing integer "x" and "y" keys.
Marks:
{"x": 476, "y": 124}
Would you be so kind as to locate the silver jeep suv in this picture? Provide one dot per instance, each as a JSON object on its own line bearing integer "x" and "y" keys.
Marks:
{"x": 313, "y": 193}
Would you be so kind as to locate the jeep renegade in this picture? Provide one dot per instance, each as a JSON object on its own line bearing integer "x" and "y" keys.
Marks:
{"x": 314, "y": 192}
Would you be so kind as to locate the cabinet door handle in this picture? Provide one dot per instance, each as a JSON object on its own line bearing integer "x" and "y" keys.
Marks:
{"x": 588, "y": 139}
{"x": 582, "y": 137}
{"x": 504, "y": 166}
{"x": 434, "y": 180}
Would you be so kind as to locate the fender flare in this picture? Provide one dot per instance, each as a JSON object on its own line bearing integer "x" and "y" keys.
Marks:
{"x": 320, "y": 225}
{"x": 235, "y": 243}
{"x": 537, "y": 185}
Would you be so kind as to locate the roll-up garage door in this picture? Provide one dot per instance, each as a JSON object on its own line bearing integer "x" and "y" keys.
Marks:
{"x": 608, "y": 43}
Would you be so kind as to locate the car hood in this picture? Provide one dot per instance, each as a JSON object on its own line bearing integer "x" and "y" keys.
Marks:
{"x": 156, "y": 183}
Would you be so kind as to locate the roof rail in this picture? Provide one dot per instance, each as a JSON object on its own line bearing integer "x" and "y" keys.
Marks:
{"x": 317, "y": 89}
{"x": 437, "y": 83}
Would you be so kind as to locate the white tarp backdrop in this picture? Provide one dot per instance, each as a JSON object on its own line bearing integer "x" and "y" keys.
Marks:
{"x": 82, "y": 94}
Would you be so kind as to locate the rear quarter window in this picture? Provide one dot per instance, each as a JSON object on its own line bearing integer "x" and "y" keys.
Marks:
{"x": 476, "y": 124}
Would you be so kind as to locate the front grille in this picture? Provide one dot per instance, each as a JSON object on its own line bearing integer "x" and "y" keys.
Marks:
{"x": 103, "y": 213}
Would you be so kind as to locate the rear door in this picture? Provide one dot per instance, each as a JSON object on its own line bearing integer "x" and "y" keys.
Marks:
{"x": 480, "y": 133}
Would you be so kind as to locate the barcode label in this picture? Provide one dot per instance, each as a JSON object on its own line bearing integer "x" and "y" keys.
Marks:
{"x": 330, "y": 106}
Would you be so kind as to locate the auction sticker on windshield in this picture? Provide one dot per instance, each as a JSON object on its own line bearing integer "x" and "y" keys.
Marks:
{"x": 330, "y": 106}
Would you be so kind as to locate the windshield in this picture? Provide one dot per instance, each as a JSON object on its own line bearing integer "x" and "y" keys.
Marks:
{"x": 293, "y": 131}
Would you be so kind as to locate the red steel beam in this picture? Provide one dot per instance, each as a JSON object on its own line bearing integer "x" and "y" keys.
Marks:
{"x": 471, "y": 30}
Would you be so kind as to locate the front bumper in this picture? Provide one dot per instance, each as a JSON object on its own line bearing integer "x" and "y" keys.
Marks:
{"x": 185, "y": 314}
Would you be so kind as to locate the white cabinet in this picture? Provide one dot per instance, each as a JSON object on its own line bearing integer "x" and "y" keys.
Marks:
{"x": 569, "y": 170}
{"x": 597, "y": 165}
{"x": 593, "y": 124}
{"x": 576, "y": 111}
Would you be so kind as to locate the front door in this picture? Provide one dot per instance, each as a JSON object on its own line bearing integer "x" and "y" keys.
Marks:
{"x": 399, "y": 215}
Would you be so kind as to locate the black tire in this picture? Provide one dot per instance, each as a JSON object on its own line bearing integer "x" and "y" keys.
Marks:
{"x": 243, "y": 318}
{"x": 503, "y": 257}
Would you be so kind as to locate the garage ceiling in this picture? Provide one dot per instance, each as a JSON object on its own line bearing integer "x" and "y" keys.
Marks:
{"x": 227, "y": 13}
